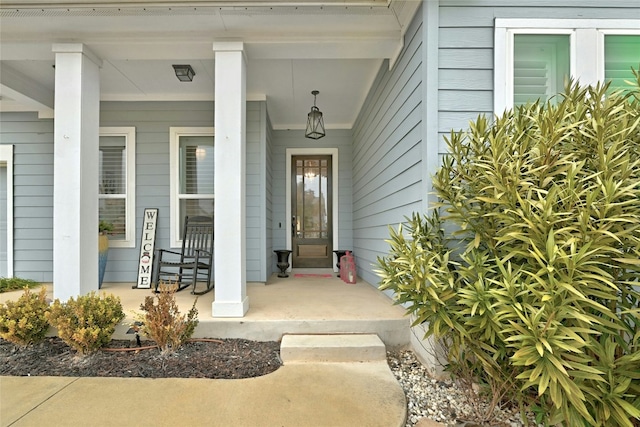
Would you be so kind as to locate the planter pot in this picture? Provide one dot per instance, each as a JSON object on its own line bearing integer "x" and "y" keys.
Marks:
{"x": 339, "y": 254}
{"x": 283, "y": 261}
{"x": 103, "y": 252}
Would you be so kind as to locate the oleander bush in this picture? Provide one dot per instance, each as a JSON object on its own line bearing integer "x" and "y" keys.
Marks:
{"x": 23, "y": 322}
{"x": 529, "y": 268}
{"x": 87, "y": 323}
{"x": 162, "y": 321}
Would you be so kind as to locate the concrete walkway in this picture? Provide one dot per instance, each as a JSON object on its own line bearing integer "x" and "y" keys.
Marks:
{"x": 304, "y": 392}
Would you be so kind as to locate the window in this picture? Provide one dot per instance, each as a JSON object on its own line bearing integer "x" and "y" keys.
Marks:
{"x": 534, "y": 57}
{"x": 192, "y": 173}
{"x": 540, "y": 66}
{"x": 117, "y": 183}
{"x": 621, "y": 53}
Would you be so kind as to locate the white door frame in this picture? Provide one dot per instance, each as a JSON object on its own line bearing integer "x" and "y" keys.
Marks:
{"x": 6, "y": 160}
{"x": 333, "y": 152}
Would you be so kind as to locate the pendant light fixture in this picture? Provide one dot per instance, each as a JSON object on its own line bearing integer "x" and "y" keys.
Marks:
{"x": 315, "y": 123}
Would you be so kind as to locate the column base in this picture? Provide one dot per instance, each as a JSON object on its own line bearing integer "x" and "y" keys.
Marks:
{"x": 230, "y": 308}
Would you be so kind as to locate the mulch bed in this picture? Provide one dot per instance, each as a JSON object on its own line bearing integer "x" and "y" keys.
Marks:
{"x": 220, "y": 359}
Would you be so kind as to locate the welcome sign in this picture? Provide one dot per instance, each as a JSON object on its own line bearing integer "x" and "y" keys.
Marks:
{"x": 147, "y": 244}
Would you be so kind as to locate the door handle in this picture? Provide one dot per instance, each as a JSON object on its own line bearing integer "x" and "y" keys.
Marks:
{"x": 293, "y": 226}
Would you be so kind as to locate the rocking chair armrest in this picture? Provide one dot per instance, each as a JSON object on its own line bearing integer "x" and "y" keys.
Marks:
{"x": 202, "y": 251}
{"x": 161, "y": 252}
{"x": 168, "y": 251}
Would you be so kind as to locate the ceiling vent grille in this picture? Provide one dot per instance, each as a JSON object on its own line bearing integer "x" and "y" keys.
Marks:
{"x": 110, "y": 11}
{"x": 307, "y": 10}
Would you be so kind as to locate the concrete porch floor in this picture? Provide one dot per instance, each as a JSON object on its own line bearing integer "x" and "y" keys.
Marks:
{"x": 293, "y": 305}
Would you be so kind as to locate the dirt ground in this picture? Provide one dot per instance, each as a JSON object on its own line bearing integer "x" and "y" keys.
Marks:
{"x": 222, "y": 359}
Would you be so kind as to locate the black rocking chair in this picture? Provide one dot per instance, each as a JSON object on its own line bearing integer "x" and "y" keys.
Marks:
{"x": 194, "y": 263}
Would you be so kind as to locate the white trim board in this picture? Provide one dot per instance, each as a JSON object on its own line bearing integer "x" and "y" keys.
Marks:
{"x": 6, "y": 160}
{"x": 333, "y": 152}
{"x": 567, "y": 23}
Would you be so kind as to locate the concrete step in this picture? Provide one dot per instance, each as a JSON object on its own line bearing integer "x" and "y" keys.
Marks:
{"x": 332, "y": 348}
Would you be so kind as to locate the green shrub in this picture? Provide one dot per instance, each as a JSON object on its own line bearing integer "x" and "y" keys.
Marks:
{"x": 529, "y": 268}
{"x": 87, "y": 323}
{"x": 8, "y": 284}
{"x": 105, "y": 227}
{"x": 24, "y": 321}
{"x": 163, "y": 323}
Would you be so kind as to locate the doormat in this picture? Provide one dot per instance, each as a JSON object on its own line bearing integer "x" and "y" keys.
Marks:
{"x": 312, "y": 275}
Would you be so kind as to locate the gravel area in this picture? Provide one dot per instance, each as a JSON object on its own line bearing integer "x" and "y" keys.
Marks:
{"x": 441, "y": 401}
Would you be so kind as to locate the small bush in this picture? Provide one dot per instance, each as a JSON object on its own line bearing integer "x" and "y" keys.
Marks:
{"x": 8, "y": 284}
{"x": 529, "y": 269}
{"x": 24, "y": 321}
{"x": 163, "y": 323}
{"x": 87, "y": 323}
{"x": 105, "y": 227}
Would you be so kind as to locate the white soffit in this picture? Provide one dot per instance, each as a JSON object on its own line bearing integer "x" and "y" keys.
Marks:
{"x": 333, "y": 46}
{"x": 20, "y": 93}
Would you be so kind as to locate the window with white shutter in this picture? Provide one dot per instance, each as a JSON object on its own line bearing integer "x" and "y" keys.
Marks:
{"x": 192, "y": 174}
{"x": 621, "y": 54}
{"x": 116, "y": 183}
{"x": 540, "y": 66}
{"x": 533, "y": 58}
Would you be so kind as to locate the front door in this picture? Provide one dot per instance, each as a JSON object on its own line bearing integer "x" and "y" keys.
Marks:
{"x": 311, "y": 207}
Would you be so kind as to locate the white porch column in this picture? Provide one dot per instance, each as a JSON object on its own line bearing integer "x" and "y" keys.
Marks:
{"x": 230, "y": 204}
{"x": 75, "y": 169}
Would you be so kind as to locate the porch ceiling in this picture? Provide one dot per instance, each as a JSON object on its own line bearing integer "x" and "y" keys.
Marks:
{"x": 292, "y": 48}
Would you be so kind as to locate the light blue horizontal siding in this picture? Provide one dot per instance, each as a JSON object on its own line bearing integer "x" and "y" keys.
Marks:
{"x": 466, "y": 58}
{"x": 465, "y": 53}
{"x": 32, "y": 139}
{"x": 255, "y": 221}
{"x": 465, "y": 91}
{"x": 36, "y": 159}
{"x": 268, "y": 184}
{"x": 467, "y": 37}
{"x": 466, "y": 79}
{"x": 31, "y": 202}
{"x": 31, "y": 190}
{"x": 152, "y": 121}
{"x": 470, "y": 100}
{"x": 33, "y": 181}
{"x": 458, "y": 120}
{"x": 387, "y": 175}
{"x": 393, "y": 177}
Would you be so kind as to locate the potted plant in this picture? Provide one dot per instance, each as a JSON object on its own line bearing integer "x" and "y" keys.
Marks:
{"x": 104, "y": 228}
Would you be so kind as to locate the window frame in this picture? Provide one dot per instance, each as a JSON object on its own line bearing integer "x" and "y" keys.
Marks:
{"x": 175, "y": 133}
{"x": 586, "y": 49}
{"x": 129, "y": 133}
